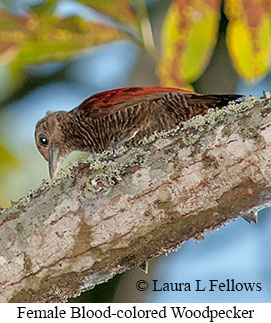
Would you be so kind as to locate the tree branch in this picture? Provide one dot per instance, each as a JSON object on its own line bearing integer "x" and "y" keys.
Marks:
{"x": 100, "y": 218}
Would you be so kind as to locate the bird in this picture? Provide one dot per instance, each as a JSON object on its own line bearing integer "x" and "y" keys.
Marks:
{"x": 117, "y": 117}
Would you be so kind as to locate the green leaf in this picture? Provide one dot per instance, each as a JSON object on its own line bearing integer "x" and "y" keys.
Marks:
{"x": 45, "y": 7}
{"x": 249, "y": 37}
{"x": 8, "y": 164}
{"x": 7, "y": 160}
{"x": 189, "y": 34}
{"x": 120, "y": 10}
{"x": 46, "y": 38}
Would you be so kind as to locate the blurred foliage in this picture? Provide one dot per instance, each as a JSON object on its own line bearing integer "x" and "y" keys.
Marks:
{"x": 120, "y": 10}
{"x": 8, "y": 164}
{"x": 44, "y": 38}
{"x": 7, "y": 159}
{"x": 188, "y": 37}
{"x": 249, "y": 37}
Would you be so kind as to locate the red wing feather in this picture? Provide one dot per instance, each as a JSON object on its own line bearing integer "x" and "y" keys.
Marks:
{"x": 106, "y": 102}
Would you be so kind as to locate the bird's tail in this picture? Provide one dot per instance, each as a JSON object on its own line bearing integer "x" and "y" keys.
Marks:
{"x": 193, "y": 104}
{"x": 215, "y": 100}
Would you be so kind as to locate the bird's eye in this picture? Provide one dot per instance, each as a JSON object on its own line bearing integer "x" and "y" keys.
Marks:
{"x": 43, "y": 140}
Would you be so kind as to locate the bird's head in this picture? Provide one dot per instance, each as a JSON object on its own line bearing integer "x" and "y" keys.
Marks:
{"x": 51, "y": 139}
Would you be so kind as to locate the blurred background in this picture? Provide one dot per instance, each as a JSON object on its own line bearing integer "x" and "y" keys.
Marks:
{"x": 34, "y": 81}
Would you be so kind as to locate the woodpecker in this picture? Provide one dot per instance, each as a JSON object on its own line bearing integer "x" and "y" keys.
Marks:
{"x": 121, "y": 116}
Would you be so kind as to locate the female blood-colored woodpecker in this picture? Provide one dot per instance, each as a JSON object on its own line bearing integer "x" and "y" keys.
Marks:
{"x": 119, "y": 116}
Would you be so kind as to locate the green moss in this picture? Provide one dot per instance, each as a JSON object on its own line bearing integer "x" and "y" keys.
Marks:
{"x": 168, "y": 207}
{"x": 248, "y": 133}
{"x": 208, "y": 160}
{"x": 190, "y": 139}
{"x": 266, "y": 108}
{"x": 24, "y": 233}
{"x": 27, "y": 263}
{"x": 226, "y": 131}
{"x": 204, "y": 154}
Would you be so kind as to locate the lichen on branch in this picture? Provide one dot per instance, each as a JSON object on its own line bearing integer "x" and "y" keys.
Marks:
{"x": 102, "y": 217}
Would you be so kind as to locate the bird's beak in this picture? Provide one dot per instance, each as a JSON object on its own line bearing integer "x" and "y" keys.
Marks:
{"x": 54, "y": 160}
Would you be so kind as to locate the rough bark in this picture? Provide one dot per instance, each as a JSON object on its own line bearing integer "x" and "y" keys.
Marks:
{"x": 102, "y": 217}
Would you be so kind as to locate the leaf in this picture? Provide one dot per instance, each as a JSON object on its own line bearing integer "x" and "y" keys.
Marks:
{"x": 8, "y": 51}
{"x": 45, "y": 38}
{"x": 189, "y": 34}
{"x": 249, "y": 37}
{"x": 12, "y": 33}
{"x": 46, "y": 6}
{"x": 8, "y": 164}
{"x": 6, "y": 159}
{"x": 120, "y": 10}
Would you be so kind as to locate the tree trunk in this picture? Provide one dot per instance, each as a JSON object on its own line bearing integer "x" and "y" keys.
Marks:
{"x": 103, "y": 217}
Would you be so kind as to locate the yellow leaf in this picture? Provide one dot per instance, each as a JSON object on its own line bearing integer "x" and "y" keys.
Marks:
{"x": 189, "y": 35}
{"x": 249, "y": 37}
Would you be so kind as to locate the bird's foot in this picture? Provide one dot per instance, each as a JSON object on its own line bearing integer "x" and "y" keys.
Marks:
{"x": 144, "y": 267}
